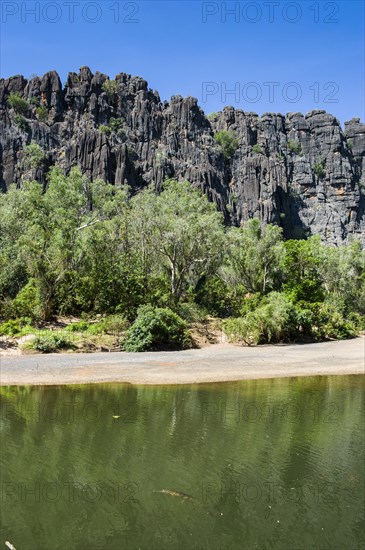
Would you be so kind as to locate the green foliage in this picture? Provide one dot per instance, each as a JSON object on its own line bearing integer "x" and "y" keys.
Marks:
{"x": 216, "y": 297}
{"x": 318, "y": 169}
{"x": 254, "y": 257}
{"x": 161, "y": 158}
{"x": 294, "y": 146}
{"x": 27, "y": 302}
{"x": 192, "y": 312}
{"x": 180, "y": 235}
{"x": 329, "y": 323}
{"x": 302, "y": 281}
{"x": 14, "y": 327}
{"x": 20, "y": 121}
{"x": 256, "y": 149}
{"x": 115, "y": 126}
{"x": 115, "y": 325}
{"x": 110, "y": 87}
{"x": 19, "y": 104}
{"x": 88, "y": 248}
{"x": 42, "y": 113}
{"x": 156, "y": 328}
{"x": 269, "y": 322}
{"x": 34, "y": 155}
{"x": 228, "y": 142}
{"x": 51, "y": 341}
{"x": 212, "y": 116}
{"x": 34, "y": 101}
{"x": 78, "y": 326}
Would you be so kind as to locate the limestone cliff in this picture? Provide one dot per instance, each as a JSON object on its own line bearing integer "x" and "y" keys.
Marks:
{"x": 303, "y": 172}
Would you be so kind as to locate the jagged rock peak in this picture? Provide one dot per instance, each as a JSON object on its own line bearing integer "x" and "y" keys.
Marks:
{"x": 302, "y": 171}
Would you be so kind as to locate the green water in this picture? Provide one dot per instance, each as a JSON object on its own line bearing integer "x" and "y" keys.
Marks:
{"x": 274, "y": 464}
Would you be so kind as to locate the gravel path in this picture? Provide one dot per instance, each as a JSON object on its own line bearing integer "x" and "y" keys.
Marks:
{"x": 217, "y": 363}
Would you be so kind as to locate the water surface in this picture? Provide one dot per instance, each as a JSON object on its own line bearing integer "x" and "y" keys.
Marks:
{"x": 267, "y": 464}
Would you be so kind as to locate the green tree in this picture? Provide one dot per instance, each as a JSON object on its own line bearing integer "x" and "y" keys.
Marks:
{"x": 302, "y": 279}
{"x": 228, "y": 142}
{"x": 181, "y": 231}
{"x": 254, "y": 257}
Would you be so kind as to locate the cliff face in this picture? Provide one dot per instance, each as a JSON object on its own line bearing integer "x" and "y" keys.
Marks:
{"x": 302, "y": 172}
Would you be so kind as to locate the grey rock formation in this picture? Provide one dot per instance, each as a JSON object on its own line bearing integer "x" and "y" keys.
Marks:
{"x": 302, "y": 172}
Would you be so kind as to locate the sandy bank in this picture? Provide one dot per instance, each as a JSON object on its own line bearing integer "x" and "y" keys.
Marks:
{"x": 217, "y": 363}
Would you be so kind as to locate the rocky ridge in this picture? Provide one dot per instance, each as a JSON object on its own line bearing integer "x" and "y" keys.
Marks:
{"x": 303, "y": 172}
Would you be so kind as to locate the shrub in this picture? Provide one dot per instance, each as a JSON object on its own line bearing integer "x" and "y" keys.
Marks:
{"x": 34, "y": 101}
{"x": 318, "y": 169}
{"x": 250, "y": 302}
{"x": 191, "y": 312}
{"x": 272, "y": 321}
{"x": 34, "y": 155}
{"x": 27, "y": 302}
{"x": 20, "y": 121}
{"x": 14, "y": 326}
{"x": 115, "y": 325}
{"x": 95, "y": 329}
{"x": 19, "y": 104}
{"x": 212, "y": 116}
{"x": 115, "y": 126}
{"x": 228, "y": 141}
{"x": 256, "y": 149}
{"x": 161, "y": 158}
{"x": 110, "y": 87}
{"x": 79, "y": 326}
{"x": 329, "y": 323}
{"x": 48, "y": 342}
{"x": 294, "y": 146}
{"x": 156, "y": 329}
{"x": 42, "y": 113}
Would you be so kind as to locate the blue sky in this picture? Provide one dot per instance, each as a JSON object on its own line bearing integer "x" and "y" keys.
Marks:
{"x": 273, "y": 56}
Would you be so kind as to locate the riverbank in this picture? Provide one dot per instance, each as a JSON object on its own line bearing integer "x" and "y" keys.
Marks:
{"x": 216, "y": 363}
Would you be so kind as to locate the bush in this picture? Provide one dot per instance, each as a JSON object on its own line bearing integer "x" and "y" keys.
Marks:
{"x": 329, "y": 323}
{"x": 27, "y": 302}
{"x": 79, "y": 326}
{"x": 272, "y": 321}
{"x": 48, "y": 342}
{"x": 228, "y": 141}
{"x": 256, "y": 149}
{"x": 20, "y": 121}
{"x": 318, "y": 169}
{"x": 294, "y": 146}
{"x": 34, "y": 155}
{"x": 34, "y": 101}
{"x": 110, "y": 87}
{"x": 115, "y": 325}
{"x": 191, "y": 312}
{"x": 42, "y": 113}
{"x": 14, "y": 326}
{"x": 156, "y": 329}
{"x": 115, "y": 126}
{"x": 19, "y": 104}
